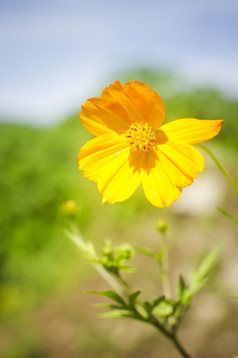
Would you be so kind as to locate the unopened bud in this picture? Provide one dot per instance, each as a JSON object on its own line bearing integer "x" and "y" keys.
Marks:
{"x": 69, "y": 207}
{"x": 162, "y": 226}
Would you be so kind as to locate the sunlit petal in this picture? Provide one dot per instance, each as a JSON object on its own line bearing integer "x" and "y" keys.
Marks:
{"x": 98, "y": 152}
{"x": 187, "y": 160}
{"x": 176, "y": 176}
{"x": 192, "y": 130}
{"x": 119, "y": 180}
{"x": 156, "y": 184}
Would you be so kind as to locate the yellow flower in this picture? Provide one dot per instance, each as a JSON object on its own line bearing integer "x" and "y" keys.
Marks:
{"x": 132, "y": 146}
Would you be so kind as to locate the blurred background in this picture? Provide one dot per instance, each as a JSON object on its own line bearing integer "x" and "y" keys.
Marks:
{"x": 54, "y": 55}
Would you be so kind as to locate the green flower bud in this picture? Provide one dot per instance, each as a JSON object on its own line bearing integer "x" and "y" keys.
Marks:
{"x": 162, "y": 226}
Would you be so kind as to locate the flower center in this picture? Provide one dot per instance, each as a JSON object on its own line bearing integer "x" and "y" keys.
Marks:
{"x": 140, "y": 136}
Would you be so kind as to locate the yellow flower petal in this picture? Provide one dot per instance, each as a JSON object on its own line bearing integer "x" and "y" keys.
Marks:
{"x": 156, "y": 184}
{"x": 98, "y": 152}
{"x": 121, "y": 105}
{"x": 187, "y": 159}
{"x": 119, "y": 179}
{"x": 175, "y": 175}
{"x": 192, "y": 130}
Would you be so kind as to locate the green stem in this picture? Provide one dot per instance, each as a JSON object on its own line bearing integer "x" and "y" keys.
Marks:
{"x": 220, "y": 166}
{"x": 165, "y": 266}
{"x": 171, "y": 336}
{"x": 228, "y": 215}
{"x": 124, "y": 284}
{"x": 180, "y": 348}
{"x": 113, "y": 281}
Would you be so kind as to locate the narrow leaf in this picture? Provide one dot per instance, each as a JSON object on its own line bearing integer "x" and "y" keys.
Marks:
{"x": 127, "y": 268}
{"x": 107, "y": 305}
{"x": 182, "y": 286}
{"x": 133, "y": 297}
{"x": 200, "y": 276}
{"x": 145, "y": 251}
{"x": 110, "y": 294}
{"x": 141, "y": 310}
{"x": 117, "y": 314}
{"x": 228, "y": 215}
{"x": 159, "y": 256}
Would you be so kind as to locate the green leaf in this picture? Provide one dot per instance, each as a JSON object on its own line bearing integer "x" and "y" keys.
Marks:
{"x": 200, "y": 276}
{"x": 159, "y": 256}
{"x": 182, "y": 286}
{"x": 117, "y": 314}
{"x": 127, "y": 268}
{"x": 110, "y": 294}
{"x": 148, "y": 307}
{"x": 228, "y": 215}
{"x": 106, "y": 305}
{"x": 157, "y": 301}
{"x": 133, "y": 297}
{"x": 145, "y": 251}
{"x": 141, "y": 310}
{"x": 164, "y": 309}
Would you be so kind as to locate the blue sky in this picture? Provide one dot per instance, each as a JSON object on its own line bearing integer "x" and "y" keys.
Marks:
{"x": 55, "y": 54}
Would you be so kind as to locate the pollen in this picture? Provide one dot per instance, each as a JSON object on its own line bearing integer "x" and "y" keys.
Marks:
{"x": 140, "y": 136}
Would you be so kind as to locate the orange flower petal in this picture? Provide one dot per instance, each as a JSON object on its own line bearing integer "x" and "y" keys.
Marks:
{"x": 98, "y": 152}
{"x": 156, "y": 184}
{"x": 148, "y": 106}
{"x": 121, "y": 105}
{"x": 98, "y": 118}
{"x": 192, "y": 130}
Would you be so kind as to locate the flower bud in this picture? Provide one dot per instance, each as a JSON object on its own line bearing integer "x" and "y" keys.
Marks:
{"x": 162, "y": 226}
{"x": 69, "y": 207}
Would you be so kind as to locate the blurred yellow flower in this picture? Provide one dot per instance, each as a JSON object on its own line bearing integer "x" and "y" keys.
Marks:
{"x": 131, "y": 146}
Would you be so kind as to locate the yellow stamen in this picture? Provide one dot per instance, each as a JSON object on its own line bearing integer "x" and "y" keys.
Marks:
{"x": 140, "y": 136}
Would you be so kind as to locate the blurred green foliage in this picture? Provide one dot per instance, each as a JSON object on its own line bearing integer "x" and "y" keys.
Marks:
{"x": 39, "y": 172}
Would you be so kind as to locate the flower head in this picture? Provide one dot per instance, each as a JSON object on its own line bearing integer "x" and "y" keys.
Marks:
{"x": 132, "y": 146}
